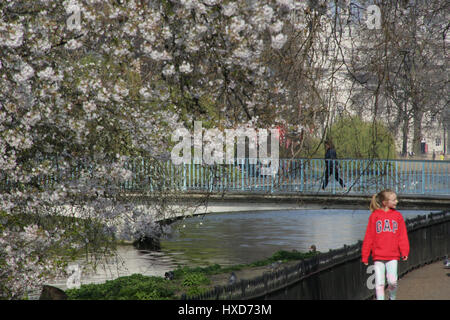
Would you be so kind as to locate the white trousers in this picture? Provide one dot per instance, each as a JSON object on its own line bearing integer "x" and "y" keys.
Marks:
{"x": 383, "y": 270}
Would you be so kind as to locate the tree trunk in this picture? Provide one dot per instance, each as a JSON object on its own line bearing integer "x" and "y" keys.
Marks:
{"x": 405, "y": 130}
{"x": 417, "y": 138}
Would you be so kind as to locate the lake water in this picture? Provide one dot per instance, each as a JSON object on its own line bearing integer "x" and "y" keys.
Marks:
{"x": 239, "y": 238}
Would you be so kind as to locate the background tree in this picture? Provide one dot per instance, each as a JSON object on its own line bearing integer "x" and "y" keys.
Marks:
{"x": 357, "y": 139}
{"x": 398, "y": 68}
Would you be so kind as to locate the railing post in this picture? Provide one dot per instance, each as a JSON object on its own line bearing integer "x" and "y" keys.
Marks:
{"x": 242, "y": 174}
{"x": 395, "y": 176}
{"x": 221, "y": 175}
{"x": 272, "y": 177}
{"x": 301, "y": 175}
{"x": 423, "y": 177}
{"x": 184, "y": 176}
{"x": 352, "y": 178}
{"x": 332, "y": 175}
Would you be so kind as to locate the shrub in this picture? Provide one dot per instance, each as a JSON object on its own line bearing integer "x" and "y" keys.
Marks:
{"x": 195, "y": 279}
{"x": 134, "y": 287}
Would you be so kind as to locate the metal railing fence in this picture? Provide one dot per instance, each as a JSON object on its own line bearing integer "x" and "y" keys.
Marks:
{"x": 298, "y": 175}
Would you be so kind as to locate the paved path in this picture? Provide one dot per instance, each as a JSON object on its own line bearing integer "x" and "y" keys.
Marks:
{"x": 431, "y": 282}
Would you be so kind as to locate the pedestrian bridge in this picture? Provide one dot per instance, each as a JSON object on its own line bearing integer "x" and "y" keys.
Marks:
{"x": 241, "y": 186}
{"x": 297, "y": 183}
{"x": 360, "y": 176}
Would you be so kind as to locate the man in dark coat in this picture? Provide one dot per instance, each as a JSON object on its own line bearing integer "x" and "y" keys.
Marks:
{"x": 331, "y": 165}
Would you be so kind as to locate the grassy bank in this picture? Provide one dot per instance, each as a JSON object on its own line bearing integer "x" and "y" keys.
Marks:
{"x": 186, "y": 280}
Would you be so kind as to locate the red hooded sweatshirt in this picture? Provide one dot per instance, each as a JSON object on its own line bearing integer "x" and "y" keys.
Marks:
{"x": 386, "y": 236}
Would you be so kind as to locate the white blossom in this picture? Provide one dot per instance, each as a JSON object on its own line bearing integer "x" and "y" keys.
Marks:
{"x": 166, "y": 33}
{"x": 89, "y": 107}
{"x": 47, "y": 73}
{"x": 278, "y": 41}
{"x": 211, "y": 2}
{"x": 267, "y": 13}
{"x": 276, "y": 27}
{"x": 242, "y": 53}
{"x": 26, "y": 72}
{"x": 73, "y": 44}
{"x": 189, "y": 4}
{"x": 160, "y": 55}
{"x": 237, "y": 25}
{"x": 129, "y": 29}
{"x": 229, "y": 9}
{"x": 169, "y": 70}
{"x": 144, "y": 92}
{"x": 102, "y": 95}
{"x": 42, "y": 46}
{"x": 192, "y": 47}
{"x": 185, "y": 67}
{"x": 11, "y": 35}
{"x": 121, "y": 89}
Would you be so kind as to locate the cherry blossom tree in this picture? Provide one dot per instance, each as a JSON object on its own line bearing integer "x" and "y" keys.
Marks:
{"x": 86, "y": 85}
{"x": 73, "y": 108}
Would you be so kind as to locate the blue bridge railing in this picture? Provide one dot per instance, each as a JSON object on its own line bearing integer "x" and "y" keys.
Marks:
{"x": 359, "y": 176}
{"x": 294, "y": 175}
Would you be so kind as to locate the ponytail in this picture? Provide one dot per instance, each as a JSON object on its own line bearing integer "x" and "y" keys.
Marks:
{"x": 375, "y": 203}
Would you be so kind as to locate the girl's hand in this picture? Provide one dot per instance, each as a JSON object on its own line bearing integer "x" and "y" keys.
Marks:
{"x": 404, "y": 258}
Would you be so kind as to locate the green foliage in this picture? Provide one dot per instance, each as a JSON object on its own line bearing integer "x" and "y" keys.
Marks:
{"x": 134, "y": 287}
{"x": 357, "y": 139}
{"x": 194, "y": 283}
{"x": 312, "y": 148}
{"x": 195, "y": 279}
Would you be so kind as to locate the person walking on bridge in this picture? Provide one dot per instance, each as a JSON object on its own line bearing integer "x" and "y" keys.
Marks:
{"x": 387, "y": 239}
{"x": 331, "y": 165}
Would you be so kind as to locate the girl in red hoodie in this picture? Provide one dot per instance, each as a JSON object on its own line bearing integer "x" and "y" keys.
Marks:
{"x": 386, "y": 238}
